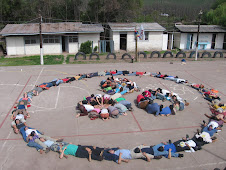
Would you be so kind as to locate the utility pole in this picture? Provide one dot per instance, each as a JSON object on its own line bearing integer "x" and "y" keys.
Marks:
{"x": 40, "y": 32}
{"x": 197, "y": 42}
{"x": 136, "y": 56}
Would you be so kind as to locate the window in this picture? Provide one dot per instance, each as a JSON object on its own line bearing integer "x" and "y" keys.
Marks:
{"x": 51, "y": 39}
{"x": 146, "y": 33}
{"x": 73, "y": 38}
{"x": 31, "y": 40}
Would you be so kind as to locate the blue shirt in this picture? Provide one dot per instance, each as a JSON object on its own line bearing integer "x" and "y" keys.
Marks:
{"x": 165, "y": 111}
{"x": 170, "y": 146}
{"x": 70, "y": 150}
{"x": 125, "y": 154}
{"x": 211, "y": 132}
{"x": 153, "y": 108}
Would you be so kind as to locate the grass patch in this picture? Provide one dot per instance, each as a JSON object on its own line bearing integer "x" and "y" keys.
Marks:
{"x": 31, "y": 60}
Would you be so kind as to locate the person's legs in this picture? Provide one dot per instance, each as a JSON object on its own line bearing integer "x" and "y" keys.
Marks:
{"x": 47, "y": 138}
{"x": 181, "y": 106}
{"x": 41, "y": 144}
{"x": 35, "y": 145}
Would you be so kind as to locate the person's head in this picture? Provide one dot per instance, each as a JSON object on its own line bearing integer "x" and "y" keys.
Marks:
{"x": 137, "y": 150}
{"x": 159, "y": 90}
{"x": 143, "y": 93}
{"x": 201, "y": 86}
{"x": 161, "y": 149}
{"x": 17, "y": 121}
{"x": 150, "y": 90}
{"x": 174, "y": 97}
{"x": 210, "y": 128}
{"x": 42, "y": 139}
{"x": 92, "y": 95}
{"x": 111, "y": 151}
{"x": 33, "y": 133}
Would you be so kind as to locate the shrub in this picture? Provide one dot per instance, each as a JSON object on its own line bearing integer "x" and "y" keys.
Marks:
{"x": 86, "y": 47}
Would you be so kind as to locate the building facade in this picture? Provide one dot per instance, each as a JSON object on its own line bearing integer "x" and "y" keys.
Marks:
{"x": 24, "y": 39}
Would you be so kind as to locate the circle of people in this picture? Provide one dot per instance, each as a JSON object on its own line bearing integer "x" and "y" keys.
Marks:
{"x": 112, "y": 104}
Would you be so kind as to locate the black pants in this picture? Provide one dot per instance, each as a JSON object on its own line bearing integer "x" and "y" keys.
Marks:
{"x": 83, "y": 153}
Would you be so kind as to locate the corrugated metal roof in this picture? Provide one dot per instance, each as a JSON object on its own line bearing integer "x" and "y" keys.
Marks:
{"x": 131, "y": 26}
{"x": 57, "y": 28}
{"x": 203, "y": 28}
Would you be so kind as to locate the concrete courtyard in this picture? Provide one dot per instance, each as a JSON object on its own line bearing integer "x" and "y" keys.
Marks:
{"x": 53, "y": 112}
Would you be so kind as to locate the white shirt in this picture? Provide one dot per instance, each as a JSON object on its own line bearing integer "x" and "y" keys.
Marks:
{"x": 103, "y": 111}
{"x": 88, "y": 107}
{"x": 180, "y": 80}
{"x": 214, "y": 124}
{"x": 19, "y": 116}
{"x": 28, "y": 132}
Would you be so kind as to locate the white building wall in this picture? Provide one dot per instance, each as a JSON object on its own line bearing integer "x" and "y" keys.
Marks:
{"x": 91, "y": 37}
{"x": 154, "y": 42}
{"x": 32, "y": 49}
{"x": 219, "y": 41}
{"x": 15, "y": 45}
{"x": 52, "y": 48}
{"x": 116, "y": 39}
{"x": 165, "y": 42}
{"x": 73, "y": 47}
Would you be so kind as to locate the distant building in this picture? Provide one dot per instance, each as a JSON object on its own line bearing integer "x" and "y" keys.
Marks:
{"x": 185, "y": 37}
{"x": 123, "y": 36}
{"x": 23, "y": 39}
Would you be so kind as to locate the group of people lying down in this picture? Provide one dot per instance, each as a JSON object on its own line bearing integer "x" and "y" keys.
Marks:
{"x": 146, "y": 101}
{"x": 44, "y": 143}
{"x": 110, "y": 104}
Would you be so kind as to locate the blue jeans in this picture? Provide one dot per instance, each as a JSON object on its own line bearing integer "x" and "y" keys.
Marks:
{"x": 35, "y": 145}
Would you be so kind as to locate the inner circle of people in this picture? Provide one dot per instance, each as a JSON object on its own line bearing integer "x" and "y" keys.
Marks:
{"x": 113, "y": 104}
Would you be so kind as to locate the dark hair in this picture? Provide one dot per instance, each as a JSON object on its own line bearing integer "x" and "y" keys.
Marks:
{"x": 137, "y": 150}
{"x": 174, "y": 96}
{"x": 84, "y": 102}
{"x": 150, "y": 90}
{"x": 143, "y": 93}
{"x": 92, "y": 95}
{"x": 33, "y": 133}
{"x": 161, "y": 148}
{"x": 160, "y": 90}
{"x": 16, "y": 120}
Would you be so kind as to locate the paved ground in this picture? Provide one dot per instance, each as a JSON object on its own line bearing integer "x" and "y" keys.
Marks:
{"x": 54, "y": 113}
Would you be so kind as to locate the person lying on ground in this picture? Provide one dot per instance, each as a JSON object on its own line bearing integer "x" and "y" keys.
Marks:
{"x": 218, "y": 119}
{"x": 154, "y": 108}
{"x": 166, "y": 149}
{"x": 124, "y": 155}
{"x": 34, "y": 136}
{"x": 169, "y": 110}
{"x": 18, "y": 123}
{"x": 78, "y": 151}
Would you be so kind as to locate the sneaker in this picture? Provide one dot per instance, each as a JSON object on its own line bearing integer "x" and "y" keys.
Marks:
{"x": 157, "y": 157}
{"x": 181, "y": 155}
{"x": 59, "y": 140}
{"x": 204, "y": 122}
{"x": 47, "y": 150}
{"x": 187, "y": 136}
{"x": 130, "y": 109}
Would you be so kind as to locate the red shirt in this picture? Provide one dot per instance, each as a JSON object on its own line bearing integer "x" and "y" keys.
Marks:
{"x": 148, "y": 93}
{"x": 139, "y": 97}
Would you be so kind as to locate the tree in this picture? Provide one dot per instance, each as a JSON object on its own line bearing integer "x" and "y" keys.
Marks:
{"x": 217, "y": 16}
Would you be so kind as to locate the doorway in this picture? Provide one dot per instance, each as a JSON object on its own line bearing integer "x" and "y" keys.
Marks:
{"x": 213, "y": 41}
{"x": 123, "y": 41}
{"x": 65, "y": 44}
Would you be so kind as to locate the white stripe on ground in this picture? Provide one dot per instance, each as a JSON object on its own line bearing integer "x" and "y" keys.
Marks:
{"x": 57, "y": 98}
{"x": 39, "y": 76}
